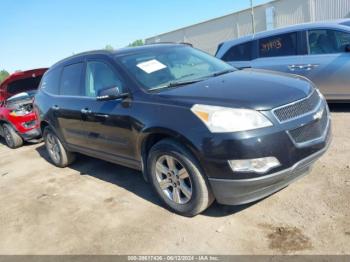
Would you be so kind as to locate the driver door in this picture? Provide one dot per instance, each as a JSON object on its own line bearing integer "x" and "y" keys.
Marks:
{"x": 328, "y": 62}
{"x": 106, "y": 122}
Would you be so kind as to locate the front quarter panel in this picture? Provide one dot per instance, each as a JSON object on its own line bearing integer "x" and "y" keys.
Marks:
{"x": 176, "y": 121}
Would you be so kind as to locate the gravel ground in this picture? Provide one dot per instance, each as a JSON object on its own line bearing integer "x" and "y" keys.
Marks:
{"x": 95, "y": 207}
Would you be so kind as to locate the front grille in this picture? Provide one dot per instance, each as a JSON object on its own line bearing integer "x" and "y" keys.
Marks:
{"x": 311, "y": 131}
{"x": 297, "y": 109}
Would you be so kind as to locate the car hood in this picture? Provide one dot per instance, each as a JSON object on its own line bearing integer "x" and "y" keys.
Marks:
{"x": 15, "y": 83}
{"x": 254, "y": 89}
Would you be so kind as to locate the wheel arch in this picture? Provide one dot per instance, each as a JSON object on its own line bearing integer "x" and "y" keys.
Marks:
{"x": 3, "y": 121}
{"x": 152, "y": 136}
{"x": 43, "y": 125}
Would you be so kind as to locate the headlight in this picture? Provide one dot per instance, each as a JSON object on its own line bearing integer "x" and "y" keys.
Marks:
{"x": 223, "y": 119}
{"x": 19, "y": 112}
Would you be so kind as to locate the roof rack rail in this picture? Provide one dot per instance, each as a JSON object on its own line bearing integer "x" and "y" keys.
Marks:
{"x": 165, "y": 42}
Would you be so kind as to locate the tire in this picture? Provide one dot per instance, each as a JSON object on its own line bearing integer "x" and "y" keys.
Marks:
{"x": 13, "y": 140}
{"x": 182, "y": 185}
{"x": 58, "y": 154}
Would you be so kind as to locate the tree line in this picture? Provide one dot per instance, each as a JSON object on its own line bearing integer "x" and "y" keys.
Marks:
{"x": 3, "y": 75}
{"x": 138, "y": 42}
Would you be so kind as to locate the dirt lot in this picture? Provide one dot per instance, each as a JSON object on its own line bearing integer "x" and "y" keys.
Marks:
{"x": 96, "y": 207}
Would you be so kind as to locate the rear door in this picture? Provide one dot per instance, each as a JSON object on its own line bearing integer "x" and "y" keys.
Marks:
{"x": 67, "y": 105}
{"x": 279, "y": 53}
{"x": 328, "y": 63}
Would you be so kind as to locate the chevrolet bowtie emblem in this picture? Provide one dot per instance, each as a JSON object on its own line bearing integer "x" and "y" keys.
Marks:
{"x": 318, "y": 115}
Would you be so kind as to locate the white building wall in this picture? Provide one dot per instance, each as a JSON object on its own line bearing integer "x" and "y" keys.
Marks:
{"x": 290, "y": 12}
{"x": 330, "y": 9}
{"x": 209, "y": 34}
{"x": 222, "y": 28}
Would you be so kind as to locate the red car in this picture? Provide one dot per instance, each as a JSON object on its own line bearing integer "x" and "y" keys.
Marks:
{"x": 18, "y": 122}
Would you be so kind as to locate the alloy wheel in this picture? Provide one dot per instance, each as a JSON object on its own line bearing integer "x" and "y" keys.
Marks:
{"x": 53, "y": 147}
{"x": 173, "y": 179}
{"x": 8, "y": 137}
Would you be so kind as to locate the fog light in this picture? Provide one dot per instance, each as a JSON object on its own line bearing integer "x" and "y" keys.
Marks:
{"x": 29, "y": 124}
{"x": 258, "y": 165}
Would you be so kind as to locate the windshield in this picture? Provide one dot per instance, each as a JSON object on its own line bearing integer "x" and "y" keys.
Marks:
{"x": 171, "y": 66}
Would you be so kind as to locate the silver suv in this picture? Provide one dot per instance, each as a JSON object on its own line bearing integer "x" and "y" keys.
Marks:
{"x": 318, "y": 51}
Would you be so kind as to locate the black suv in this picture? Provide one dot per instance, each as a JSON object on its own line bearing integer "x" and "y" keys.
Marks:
{"x": 196, "y": 127}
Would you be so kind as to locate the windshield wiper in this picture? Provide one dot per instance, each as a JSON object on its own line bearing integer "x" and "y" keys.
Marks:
{"x": 175, "y": 84}
{"x": 182, "y": 83}
{"x": 222, "y": 72}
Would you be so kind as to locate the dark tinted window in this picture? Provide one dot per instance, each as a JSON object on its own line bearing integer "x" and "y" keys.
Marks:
{"x": 328, "y": 41}
{"x": 50, "y": 81}
{"x": 218, "y": 49}
{"x": 71, "y": 80}
{"x": 242, "y": 52}
{"x": 100, "y": 76}
{"x": 347, "y": 23}
{"x": 279, "y": 45}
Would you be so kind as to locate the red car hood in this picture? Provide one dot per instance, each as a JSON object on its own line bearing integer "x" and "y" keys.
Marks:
{"x": 5, "y": 86}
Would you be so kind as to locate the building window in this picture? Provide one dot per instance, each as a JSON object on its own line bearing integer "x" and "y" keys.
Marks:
{"x": 270, "y": 18}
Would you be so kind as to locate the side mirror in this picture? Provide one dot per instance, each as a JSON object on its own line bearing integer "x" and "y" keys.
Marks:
{"x": 110, "y": 93}
{"x": 347, "y": 48}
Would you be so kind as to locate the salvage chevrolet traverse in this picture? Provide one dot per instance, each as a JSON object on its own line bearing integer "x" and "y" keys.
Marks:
{"x": 198, "y": 129}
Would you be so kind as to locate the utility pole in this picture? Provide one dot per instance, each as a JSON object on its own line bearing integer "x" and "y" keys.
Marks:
{"x": 252, "y": 14}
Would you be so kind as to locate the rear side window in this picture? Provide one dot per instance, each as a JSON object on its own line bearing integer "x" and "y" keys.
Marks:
{"x": 218, "y": 49}
{"x": 279, "y": 45}
{"x": 242, "y": 52}
{"x": 50, "y": 81}
{"x": 347, "y": 23}
{"x": 71, "y": 80}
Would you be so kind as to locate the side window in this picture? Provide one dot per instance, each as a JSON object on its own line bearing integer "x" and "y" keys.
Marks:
{"x": 100, "y": 76}
{"x": 71, "y": 80}
{"x": 50, "y": 81}
{"x": 242, "y": 52}
{"x": 279, "y": 45}
{"x": 328, "y": 41}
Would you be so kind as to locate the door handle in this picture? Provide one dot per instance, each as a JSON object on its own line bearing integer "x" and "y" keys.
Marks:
{"x": 295, "y": 67}
{"x": 101, "y": 115}
{"x": 310, "y": 66}
{"x": 292, "y": 67}
{"x": 55, "y": 107}
{"x": 85, "y": 111}
{"x": 302, "y": 67}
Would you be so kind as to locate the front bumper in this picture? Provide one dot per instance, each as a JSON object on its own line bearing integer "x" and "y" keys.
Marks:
{"x": 31, "y": 134}
{"x": 242, "y": 191}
